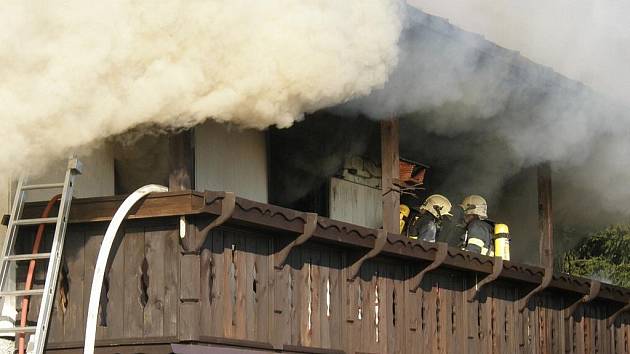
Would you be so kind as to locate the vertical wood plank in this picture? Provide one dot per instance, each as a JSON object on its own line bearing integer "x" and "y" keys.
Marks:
{"x": 205, "y": 297}
{"x": 445, "y": 326}
{"x": 412, "y": 323}
{"x": 459, "y": 325}
{"x": 296, "y": 293}
{"x": 398, "y": 329}
{"x": 264, "y": 267}
{"x": 336, "y": 318}
{"x": 155, "y": 254}
{"x": 431, "y": 303}
{"x": 242, "y": 288}
{"x": 172, "y": 250}
{"x": 579, "y": 337}
{"x": 353, "y": 305}
{"x": 93, "y": 240}
{"x": 498, "y": 330}
{"x": 472, "y": 325}
{"x": 316, "y": 295}
{"x": 568, "y": 333}
{"x": 382, "y": 303}
{"x": 324, "y": 299}
{"x": 73, "y": 318}
{"x": 487, "y": 324}
{"x": 368, "y": 328}
{"x": 229, "y": 284}
{"x": 251, "y": 288}
{"x": 116, "y": 291}
{"x": 133, "y": 309}
{"x": 189, "y": 293}
{"x": 559, "y": 326}
{"x": 512, "y": 330}
{"x": 603, "y": 331}
{"x": 303, "y": 289}
{"x": 217, "y": 300}
{"x": 588, "y": 331}
{"x": 413, "y": 304}
{"x": 282, "y": 290}
{"x": 522, "y": 320}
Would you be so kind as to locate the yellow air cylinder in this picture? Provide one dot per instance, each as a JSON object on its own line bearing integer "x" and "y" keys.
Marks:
{"x": 404, "y": 213}
{"x": 502, "y": 241}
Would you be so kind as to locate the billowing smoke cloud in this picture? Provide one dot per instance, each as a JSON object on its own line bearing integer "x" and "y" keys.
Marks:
{"x": 76, "y": 72}
{"x": 485, "y": 113}
{"x": 585, "y": 40}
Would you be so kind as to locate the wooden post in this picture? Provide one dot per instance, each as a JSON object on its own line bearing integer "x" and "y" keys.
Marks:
{"x": 545, "y": 221}
{"x": 181, "y": 177}
{"x": 181, "y": 161}
{"x": 188, "y": 328}
{"x": 390, "y": 173}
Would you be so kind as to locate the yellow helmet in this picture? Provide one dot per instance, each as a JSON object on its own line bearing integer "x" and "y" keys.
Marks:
{"x": 404, "y": 211}
{"x": 438, "y": 205}
{"x": 475, "y": 205}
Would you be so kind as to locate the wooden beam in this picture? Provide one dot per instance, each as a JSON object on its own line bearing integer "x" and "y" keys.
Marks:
{"x": 545, "y": 221}
{"x": 390, "y": 157}
{"x": 181, "y": 161}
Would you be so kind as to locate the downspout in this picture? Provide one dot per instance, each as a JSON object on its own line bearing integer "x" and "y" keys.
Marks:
{"x": 103, "y": 256}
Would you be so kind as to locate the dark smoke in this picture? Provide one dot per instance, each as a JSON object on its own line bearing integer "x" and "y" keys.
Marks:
{"x": 485, "y": 113}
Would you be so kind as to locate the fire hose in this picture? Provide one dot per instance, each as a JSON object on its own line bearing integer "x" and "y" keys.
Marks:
{"x": 103, "y": 257}
{"x": 31, "y": 271}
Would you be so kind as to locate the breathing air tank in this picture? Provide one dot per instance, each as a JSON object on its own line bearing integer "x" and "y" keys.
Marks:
{"x": 502, "y": 241}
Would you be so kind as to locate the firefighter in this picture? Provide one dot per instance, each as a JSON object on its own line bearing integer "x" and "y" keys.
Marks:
{"x": 426, "y": 225}
{"x": 479, "y": 230}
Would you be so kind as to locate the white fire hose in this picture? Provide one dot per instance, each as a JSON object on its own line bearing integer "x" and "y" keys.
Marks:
{"x": 103, "y": 255}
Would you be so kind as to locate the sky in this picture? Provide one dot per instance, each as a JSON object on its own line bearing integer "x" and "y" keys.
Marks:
{"x": 586, "y": 40}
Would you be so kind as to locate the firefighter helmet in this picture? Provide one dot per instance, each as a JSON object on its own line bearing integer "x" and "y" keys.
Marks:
{"x": 438, "y": 205}
{"x": 475, "y": 205}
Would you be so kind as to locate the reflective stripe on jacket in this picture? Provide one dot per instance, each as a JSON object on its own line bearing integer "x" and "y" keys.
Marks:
{"x": 479, "y": 237}
{"x": 477, "y": 245}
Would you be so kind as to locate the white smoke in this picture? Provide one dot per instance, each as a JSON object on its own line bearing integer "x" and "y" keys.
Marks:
{"x": 586, "y": 40}
{"x": 78, "y": 72}
{"x": 75, "y": 72}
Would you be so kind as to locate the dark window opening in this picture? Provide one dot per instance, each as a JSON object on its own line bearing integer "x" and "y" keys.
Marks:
{"x": 304, "y": 158}
{"x": 140, "y": 160}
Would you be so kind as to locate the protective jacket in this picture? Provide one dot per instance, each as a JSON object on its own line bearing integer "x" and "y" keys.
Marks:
{"x": 423, "y": 227}
{"x": 478, "y": 237}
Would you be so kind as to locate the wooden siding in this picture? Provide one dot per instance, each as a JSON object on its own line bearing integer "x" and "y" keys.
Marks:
{"x": 97, "y": 179}
{"x": 231, "y": 160}
{"x": 308, "y": 305}
{"x": 355, "y": 203}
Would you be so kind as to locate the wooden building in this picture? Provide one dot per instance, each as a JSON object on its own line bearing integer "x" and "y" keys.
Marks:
{"x": 321, "y": 271}
{"x": 274, "y": 279}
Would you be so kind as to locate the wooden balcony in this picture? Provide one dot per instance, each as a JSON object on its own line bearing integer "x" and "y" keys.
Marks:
{"x": 234, "y": 295}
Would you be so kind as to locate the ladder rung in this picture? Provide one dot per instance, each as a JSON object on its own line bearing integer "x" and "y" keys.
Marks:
{"x": 37, "y": 221}
{"x": 43, "y": 186}
{"x": 27, "y": 257}
{"x": 32, "y": 292}
{"x": 29, "y": 329}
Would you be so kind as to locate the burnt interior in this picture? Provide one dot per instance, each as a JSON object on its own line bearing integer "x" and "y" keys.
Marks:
{"x": 303, "y": 158}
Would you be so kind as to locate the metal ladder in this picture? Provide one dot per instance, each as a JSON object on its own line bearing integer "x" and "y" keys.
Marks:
{"x": 54, "y": 257}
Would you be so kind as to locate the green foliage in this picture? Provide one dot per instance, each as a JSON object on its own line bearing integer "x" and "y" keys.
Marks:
{"x": 604, "y": 255}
